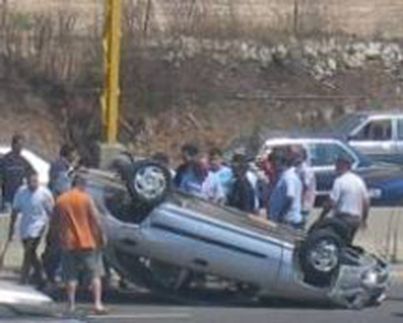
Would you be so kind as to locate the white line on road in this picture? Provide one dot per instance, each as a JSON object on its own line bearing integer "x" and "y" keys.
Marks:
{"x": 142, "y": 316}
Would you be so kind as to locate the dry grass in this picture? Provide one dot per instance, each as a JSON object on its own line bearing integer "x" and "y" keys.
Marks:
{"x": 358, "y": 17}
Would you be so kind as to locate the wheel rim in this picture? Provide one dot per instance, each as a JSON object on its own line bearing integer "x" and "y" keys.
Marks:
{"x": 150, "y": 182}
{"x": 324, "y": 256}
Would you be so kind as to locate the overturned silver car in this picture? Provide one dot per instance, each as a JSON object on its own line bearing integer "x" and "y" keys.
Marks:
{"x": 181, "y": 246}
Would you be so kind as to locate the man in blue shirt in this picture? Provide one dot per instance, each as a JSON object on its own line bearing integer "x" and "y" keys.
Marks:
{"x": 285, "y": 200}
{"x": 191, "y": 174}
{"x": 215, "y": 186}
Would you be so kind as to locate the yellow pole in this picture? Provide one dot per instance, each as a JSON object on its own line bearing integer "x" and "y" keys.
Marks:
{"x": 112, "y": 44}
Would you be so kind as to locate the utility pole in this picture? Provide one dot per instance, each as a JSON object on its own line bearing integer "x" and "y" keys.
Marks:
{"x": 4, "y": 14}
{"x": 296, "y": 17}
{"x": 112, "y": 46}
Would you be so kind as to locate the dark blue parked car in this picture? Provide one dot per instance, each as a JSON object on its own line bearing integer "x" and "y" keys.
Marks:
{"x": 385, "y": 181}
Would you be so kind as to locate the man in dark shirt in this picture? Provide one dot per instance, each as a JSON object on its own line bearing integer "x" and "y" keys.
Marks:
{"x": 61, "y": 170}
{"x": 242, "y": 194}
{"x": 14, "y": 169}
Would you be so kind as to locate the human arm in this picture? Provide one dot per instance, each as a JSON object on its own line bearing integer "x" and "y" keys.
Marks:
{"x": 293, "y": 194}
{"x": 96, "y": 226}
{"x": 365, "y": 208}
{"x": 54, "y": 226}
{"x": 2, "y": 171}
{"x": 17, "y": 205}
{"x": 328, "y": 206}
{"x": 286, "y": 209}
{"x": 331, "y": 203}
{"x": 49, "y": 203}
{"x": 13, "y": 220}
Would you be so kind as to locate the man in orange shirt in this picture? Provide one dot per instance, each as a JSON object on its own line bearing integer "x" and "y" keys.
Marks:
{"x": 81, "y": 239}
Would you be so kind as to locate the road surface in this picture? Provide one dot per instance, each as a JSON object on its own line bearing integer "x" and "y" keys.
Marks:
{"x": 143, "y": 308}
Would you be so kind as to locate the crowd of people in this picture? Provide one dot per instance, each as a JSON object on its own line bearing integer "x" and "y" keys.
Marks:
{"x": 74, "y": 238}
{"x": 282, "y": 188}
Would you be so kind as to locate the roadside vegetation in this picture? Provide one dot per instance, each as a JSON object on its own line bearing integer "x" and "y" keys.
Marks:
{"x": 203, "y": 78}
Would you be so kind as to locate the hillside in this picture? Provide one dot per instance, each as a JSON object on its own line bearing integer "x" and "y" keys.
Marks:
{"x": 207, "y": 84}
{"x": 363, "y": 18}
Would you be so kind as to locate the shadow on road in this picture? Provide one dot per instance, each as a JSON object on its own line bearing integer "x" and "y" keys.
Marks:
{"x": 133, "y": 297}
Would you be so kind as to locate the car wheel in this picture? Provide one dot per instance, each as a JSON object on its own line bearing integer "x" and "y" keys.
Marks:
{"x": 320, "y": 255}
{"x": 122, "y": 166}
{"x": 149, "y": 183}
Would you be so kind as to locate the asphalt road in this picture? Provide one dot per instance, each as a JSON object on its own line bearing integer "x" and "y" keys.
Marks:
{"x": 143, "y": 308}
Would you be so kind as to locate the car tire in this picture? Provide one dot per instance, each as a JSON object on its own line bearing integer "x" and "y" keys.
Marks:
{"x": 122, "y": 166}
{"x": 149, "y": 183}
{"x": 320, "y": 255}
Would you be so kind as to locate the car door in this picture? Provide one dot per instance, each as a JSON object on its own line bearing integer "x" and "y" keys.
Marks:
{"x": 323, "y": 156}
{"x": 214, "y": 240}
{"x": 374, "y": 138}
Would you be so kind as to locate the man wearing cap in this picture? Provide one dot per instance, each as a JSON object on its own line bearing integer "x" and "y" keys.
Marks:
{"x": 349, "y": 199}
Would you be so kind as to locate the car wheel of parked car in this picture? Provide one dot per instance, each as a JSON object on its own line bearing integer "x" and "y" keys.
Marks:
{"x": 320, "y": 255}
{"x": 150, "y": 183}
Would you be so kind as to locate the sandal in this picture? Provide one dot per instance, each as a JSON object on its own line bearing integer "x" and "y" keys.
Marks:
{"x": 101, "y": 311}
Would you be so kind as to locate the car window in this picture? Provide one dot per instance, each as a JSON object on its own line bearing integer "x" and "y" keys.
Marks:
{"x": 326, "y": 154}
{"x": 377, "y": 130}
{"x": 400, "y": 129}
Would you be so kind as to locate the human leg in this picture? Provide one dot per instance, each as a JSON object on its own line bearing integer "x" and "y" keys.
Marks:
{"x": 51, "y": 258}
{"x": 30, "y": 260}
{"x": 26, "y": 262}
{"x": 93, "y": 264}
{"x": 97, "y": 294}
{"x": 36, "y": 263}
{"x": 71, "y": 295}
{"x": 70, "y": 274}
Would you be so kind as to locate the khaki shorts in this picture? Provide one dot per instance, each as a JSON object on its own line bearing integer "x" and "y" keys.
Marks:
{"x": 88, "y": 262}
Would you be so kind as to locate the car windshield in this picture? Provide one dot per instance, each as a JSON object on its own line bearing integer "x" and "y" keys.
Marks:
{"x": 346, "y": 124}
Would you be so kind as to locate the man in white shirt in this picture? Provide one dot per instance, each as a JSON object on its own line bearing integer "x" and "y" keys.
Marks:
{"x": 349, "y": 199}
{"x": 308, "y": 179}
{"x": 35, "y": 204}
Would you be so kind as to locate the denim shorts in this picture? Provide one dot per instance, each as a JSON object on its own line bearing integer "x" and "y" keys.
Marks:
{"x": 88, "y": 262}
